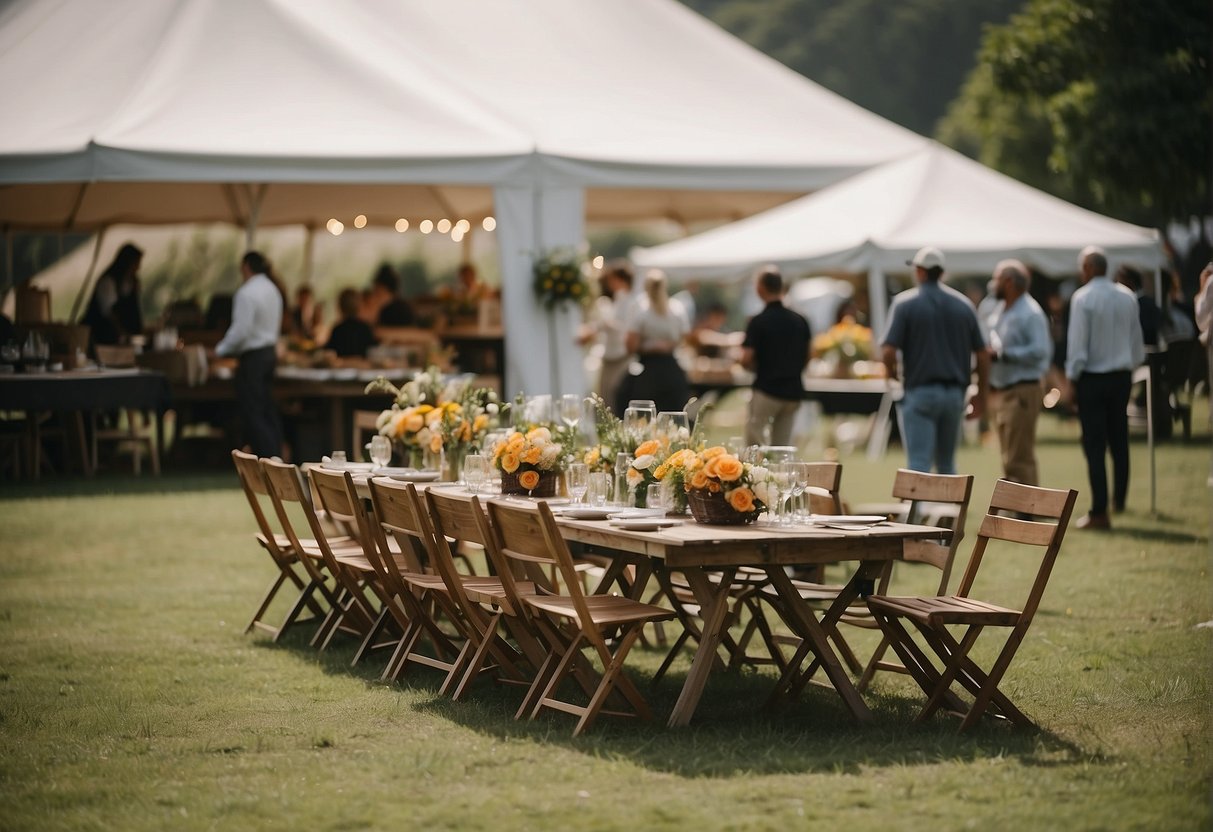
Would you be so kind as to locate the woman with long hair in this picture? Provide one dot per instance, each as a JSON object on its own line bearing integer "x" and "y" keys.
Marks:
{"x": 655, "y": 332}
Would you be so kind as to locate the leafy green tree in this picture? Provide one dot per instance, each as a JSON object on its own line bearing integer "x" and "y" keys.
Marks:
{"x": 1107, "y": 103}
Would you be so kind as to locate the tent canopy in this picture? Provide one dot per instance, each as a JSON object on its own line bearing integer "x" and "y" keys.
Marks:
{"x": 410, "y": 97}
{"x": 543, "y": 112}
{"x": 875, "y": 221}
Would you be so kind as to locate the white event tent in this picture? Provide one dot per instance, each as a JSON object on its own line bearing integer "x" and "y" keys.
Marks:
{"x": 876, "y": 220}
{"x": 543, "y": 114}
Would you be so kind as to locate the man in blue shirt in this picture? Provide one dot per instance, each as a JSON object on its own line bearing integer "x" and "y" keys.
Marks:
{"x": 935, "y": 329}
{"x": 253, "y": 337}
{"x": 1103, "y": 347}
{"x": 1020, "y": 348}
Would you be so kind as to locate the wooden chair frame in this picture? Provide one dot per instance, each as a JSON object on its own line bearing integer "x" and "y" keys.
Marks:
{"x": 529, "y": 535}
{"x": 932, "y": 616}
{"x": 278, "y": 546}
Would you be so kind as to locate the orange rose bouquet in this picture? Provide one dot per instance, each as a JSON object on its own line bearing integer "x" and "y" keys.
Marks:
{"x": 530, "y": 460}
{"x": 719, "y": 486}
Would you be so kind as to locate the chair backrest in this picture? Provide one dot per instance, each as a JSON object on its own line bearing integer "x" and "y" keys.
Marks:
{"x": 466, "y": 520}
{"x": 286, "y": 487}
{"x": 365, "y": 425}
{"x": 252, "y": 480}
{"x": 337, "y": 496}
{"x": 529, "y": 535}
{"x": 925, "y": 493}
{"x": 824, "y": 486}
{"x": 1051, "y": 509}
{"x": 115, "y": 355}
{"x": 397, "y": 512}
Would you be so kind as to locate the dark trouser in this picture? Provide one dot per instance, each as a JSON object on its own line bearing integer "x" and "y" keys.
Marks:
{"x": 1102, "y": 402}
{"x": 258, "y": 413}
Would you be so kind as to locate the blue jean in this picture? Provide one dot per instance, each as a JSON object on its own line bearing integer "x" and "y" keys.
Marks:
{"x": 930, "y": 426}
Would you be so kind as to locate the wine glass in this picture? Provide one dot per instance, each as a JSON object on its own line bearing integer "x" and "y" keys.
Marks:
{"x": 577, "y": 479}
{"x": 672, "y": 425}
{"x": 780, "y": 484}
{"x": 799, "y": 480}
{"x": 476, "y": 471}
{"x": 380, "y": 448}
{"x": 570, "y": 410}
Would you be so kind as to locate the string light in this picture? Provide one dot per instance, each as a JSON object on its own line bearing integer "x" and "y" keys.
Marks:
{"x": 402, "y": 225}
{"x": 598, "y": 261}
{"x": 456, "y": 235}
{"x": 360, "y": 221}
{"x": 444, "y": 225}
{"x": 335, "y": 227}
{"x": 463, "y": 226}
{"x": 426, "y": 226}
{"x": 488, "y": 223}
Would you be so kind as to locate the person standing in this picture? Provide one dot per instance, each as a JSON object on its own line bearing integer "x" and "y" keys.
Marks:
{"x": 614, "y": 312}
{"x": 253, "y": 337}
{"x": 654, "y": 333}
{"x": 114, "y": 313}
{"x": 776, "y": 350}
{"x": 1103, "y": 347}
{"x": 1204, "y": 324}
{"x": 1020, "y": 349}
{"x": 935, "y": 329}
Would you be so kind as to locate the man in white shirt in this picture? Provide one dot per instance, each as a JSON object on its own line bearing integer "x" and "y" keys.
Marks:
{"x": 253, "y": 338}
{"x": 612, "y": 326}
{"x": 1103, "y": 347}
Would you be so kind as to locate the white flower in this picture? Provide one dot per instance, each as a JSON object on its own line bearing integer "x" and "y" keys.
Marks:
{"x": 644, "y": 462}
{"x": 758, "y": 473}
{"x": 491, "y": 408}
{"x": 762, "y": 491}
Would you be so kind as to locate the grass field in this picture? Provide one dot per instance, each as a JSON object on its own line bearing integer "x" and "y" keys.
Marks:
{"x": 130, "y": 698}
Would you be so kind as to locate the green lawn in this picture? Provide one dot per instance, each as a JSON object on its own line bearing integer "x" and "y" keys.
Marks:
{"x": 130, "y": 698}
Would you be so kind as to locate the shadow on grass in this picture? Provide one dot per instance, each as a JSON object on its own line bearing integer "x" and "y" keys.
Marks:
{"x": 732, "y": 734}
{"x": 120, "y": 484}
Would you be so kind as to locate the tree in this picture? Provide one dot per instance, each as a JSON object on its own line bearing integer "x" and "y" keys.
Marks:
{"x": 1107, "y": 103}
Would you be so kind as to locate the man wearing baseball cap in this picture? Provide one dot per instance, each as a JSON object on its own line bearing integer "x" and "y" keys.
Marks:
{"x": 934, "y": 328}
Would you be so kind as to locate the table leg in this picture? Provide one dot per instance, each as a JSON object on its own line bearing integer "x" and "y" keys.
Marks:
{"x": 814, "y": 634}
{"x": 714, "y": 601}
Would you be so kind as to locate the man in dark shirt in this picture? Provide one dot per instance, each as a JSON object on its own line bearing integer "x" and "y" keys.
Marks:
{"x": 776, "y": 349}
{"x": 393, "y": 310}
{"x": 353, "y": 336}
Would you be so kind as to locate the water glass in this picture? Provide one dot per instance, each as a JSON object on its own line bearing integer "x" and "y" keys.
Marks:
{"x": 476, "y": 471}
{"x": 337, "y": 456}
{"x": 673, "y": 426}
{"x": 380, "y": 448}
{"x": 577, "y": 480}
{"x": 657, "y": 496}
{"x": 599, "y": 490}
{"x": 623, "y": 464}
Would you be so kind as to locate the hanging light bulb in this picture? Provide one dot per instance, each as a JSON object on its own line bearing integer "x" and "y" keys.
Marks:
{"x": 463, "y": 226}
{"x": 444, "y": 225}
{"x": 426, "y": 226}
{"x": 488, "y": 223}
{"x": 598, "y": 261}
{"x": 335, "y": 227}
{"x": 360, "y": 221}
{"x": 402, "y": 225}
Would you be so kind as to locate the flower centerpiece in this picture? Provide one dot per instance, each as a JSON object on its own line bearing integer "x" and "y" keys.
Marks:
{"x": 530, "y": 462}
{"x": 559, "y": 277}
{"x": 436, "y": 416}
{"x": 842, "y": 345}
{"x": 611, "y": 439}
{"x": 720, "y": 488}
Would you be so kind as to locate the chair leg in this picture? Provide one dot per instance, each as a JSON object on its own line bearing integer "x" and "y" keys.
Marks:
{"x": 265, "y": 601}
{"x": 611, "y": 678}
{"x": 371, "y": 634}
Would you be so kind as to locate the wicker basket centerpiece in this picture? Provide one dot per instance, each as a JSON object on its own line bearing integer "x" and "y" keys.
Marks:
{"x": 545, "y": 484}
{"x": 719, "y": 487}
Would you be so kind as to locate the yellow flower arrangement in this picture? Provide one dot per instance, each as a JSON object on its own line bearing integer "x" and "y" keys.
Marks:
{"x": 716, "y": 471}
{"x": 525, "y": 453}
{"x": 847, "y": 341}
{"x": 433, "y": 413}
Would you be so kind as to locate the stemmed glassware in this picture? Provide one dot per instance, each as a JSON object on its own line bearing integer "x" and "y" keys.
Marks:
{"x": 672, "y": 425}
{"x": 781, "y": 480}
{"x": 798, "y": 476}
{"x": 380, "y": 450}
{"x": 638, "y": 419}
{"x": 476, "y": 471}
{"x": 577, "y": 479}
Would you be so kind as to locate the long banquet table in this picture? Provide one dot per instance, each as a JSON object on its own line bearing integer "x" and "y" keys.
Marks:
{"x": 697, "y": 550}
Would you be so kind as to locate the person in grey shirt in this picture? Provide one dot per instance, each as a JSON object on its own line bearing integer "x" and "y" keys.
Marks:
{"x": 253, "y": 338}
{"x": 1103, "y": 347}
{"x": 1020, "y": 348}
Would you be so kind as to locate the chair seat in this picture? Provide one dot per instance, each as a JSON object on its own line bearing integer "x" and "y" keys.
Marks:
{"x": 605, "y": 610}
{"x": 338, "y": 545}
{"x": 951, "y": 609}
{"x": 492, "y": 592}
{"x": 470, "y": 583}
{"x": 361, "y": 563}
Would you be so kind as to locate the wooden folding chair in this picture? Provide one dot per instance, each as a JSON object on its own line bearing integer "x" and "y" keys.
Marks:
{"x": 927, "y": 497}
{"x": 349, "y": 610}
{"x": 401, "y": 515}
{"x": 932, "y": 616}
{"x": 488, "y": 603}
{"x": 529, "y": 535}
{"x": 280, "y": 550}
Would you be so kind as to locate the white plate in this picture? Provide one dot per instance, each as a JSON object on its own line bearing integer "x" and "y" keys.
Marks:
{"x": 388, "y": 471}
{"x": 643, "y": 524}
{"x": 637, "y": 513}
{"x": 585, "y": 513}
{"x": 364, "y": 467}
{"x": 848, "y": 519}
{"x": 416, "y": 476}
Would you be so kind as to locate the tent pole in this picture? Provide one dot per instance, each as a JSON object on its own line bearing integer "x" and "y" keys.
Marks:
{"x": 466, "y": 255}
{"x": 309, "y": 254}
{"x": 88, "y": 276}
{"x": 878, "y": 300}
{"x": 254, "y": 214}
{"x": 8, "y": 260}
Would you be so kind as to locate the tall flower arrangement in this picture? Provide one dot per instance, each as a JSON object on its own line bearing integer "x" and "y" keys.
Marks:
{"x": 436, "y": 414}
{"x": 559, "y": 277}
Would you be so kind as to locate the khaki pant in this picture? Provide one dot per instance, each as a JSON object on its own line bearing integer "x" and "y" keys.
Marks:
{"x": 1015, "y": 412}
{"x": 765, "y": 410}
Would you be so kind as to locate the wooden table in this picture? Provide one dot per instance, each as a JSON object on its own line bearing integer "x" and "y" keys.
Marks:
{"x": 698, "y": 549}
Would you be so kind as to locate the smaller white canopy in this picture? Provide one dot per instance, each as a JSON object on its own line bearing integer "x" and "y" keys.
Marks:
{"x": 876, "y": 220}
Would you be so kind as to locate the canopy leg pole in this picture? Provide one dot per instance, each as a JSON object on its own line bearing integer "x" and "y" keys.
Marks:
{"x": 254, "y": 214}
{"x": 86, "y": 286}
{"x": 10, "y": 279}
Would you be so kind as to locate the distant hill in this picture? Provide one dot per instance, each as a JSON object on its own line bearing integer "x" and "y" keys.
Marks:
{"x": 902, "y": 59}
